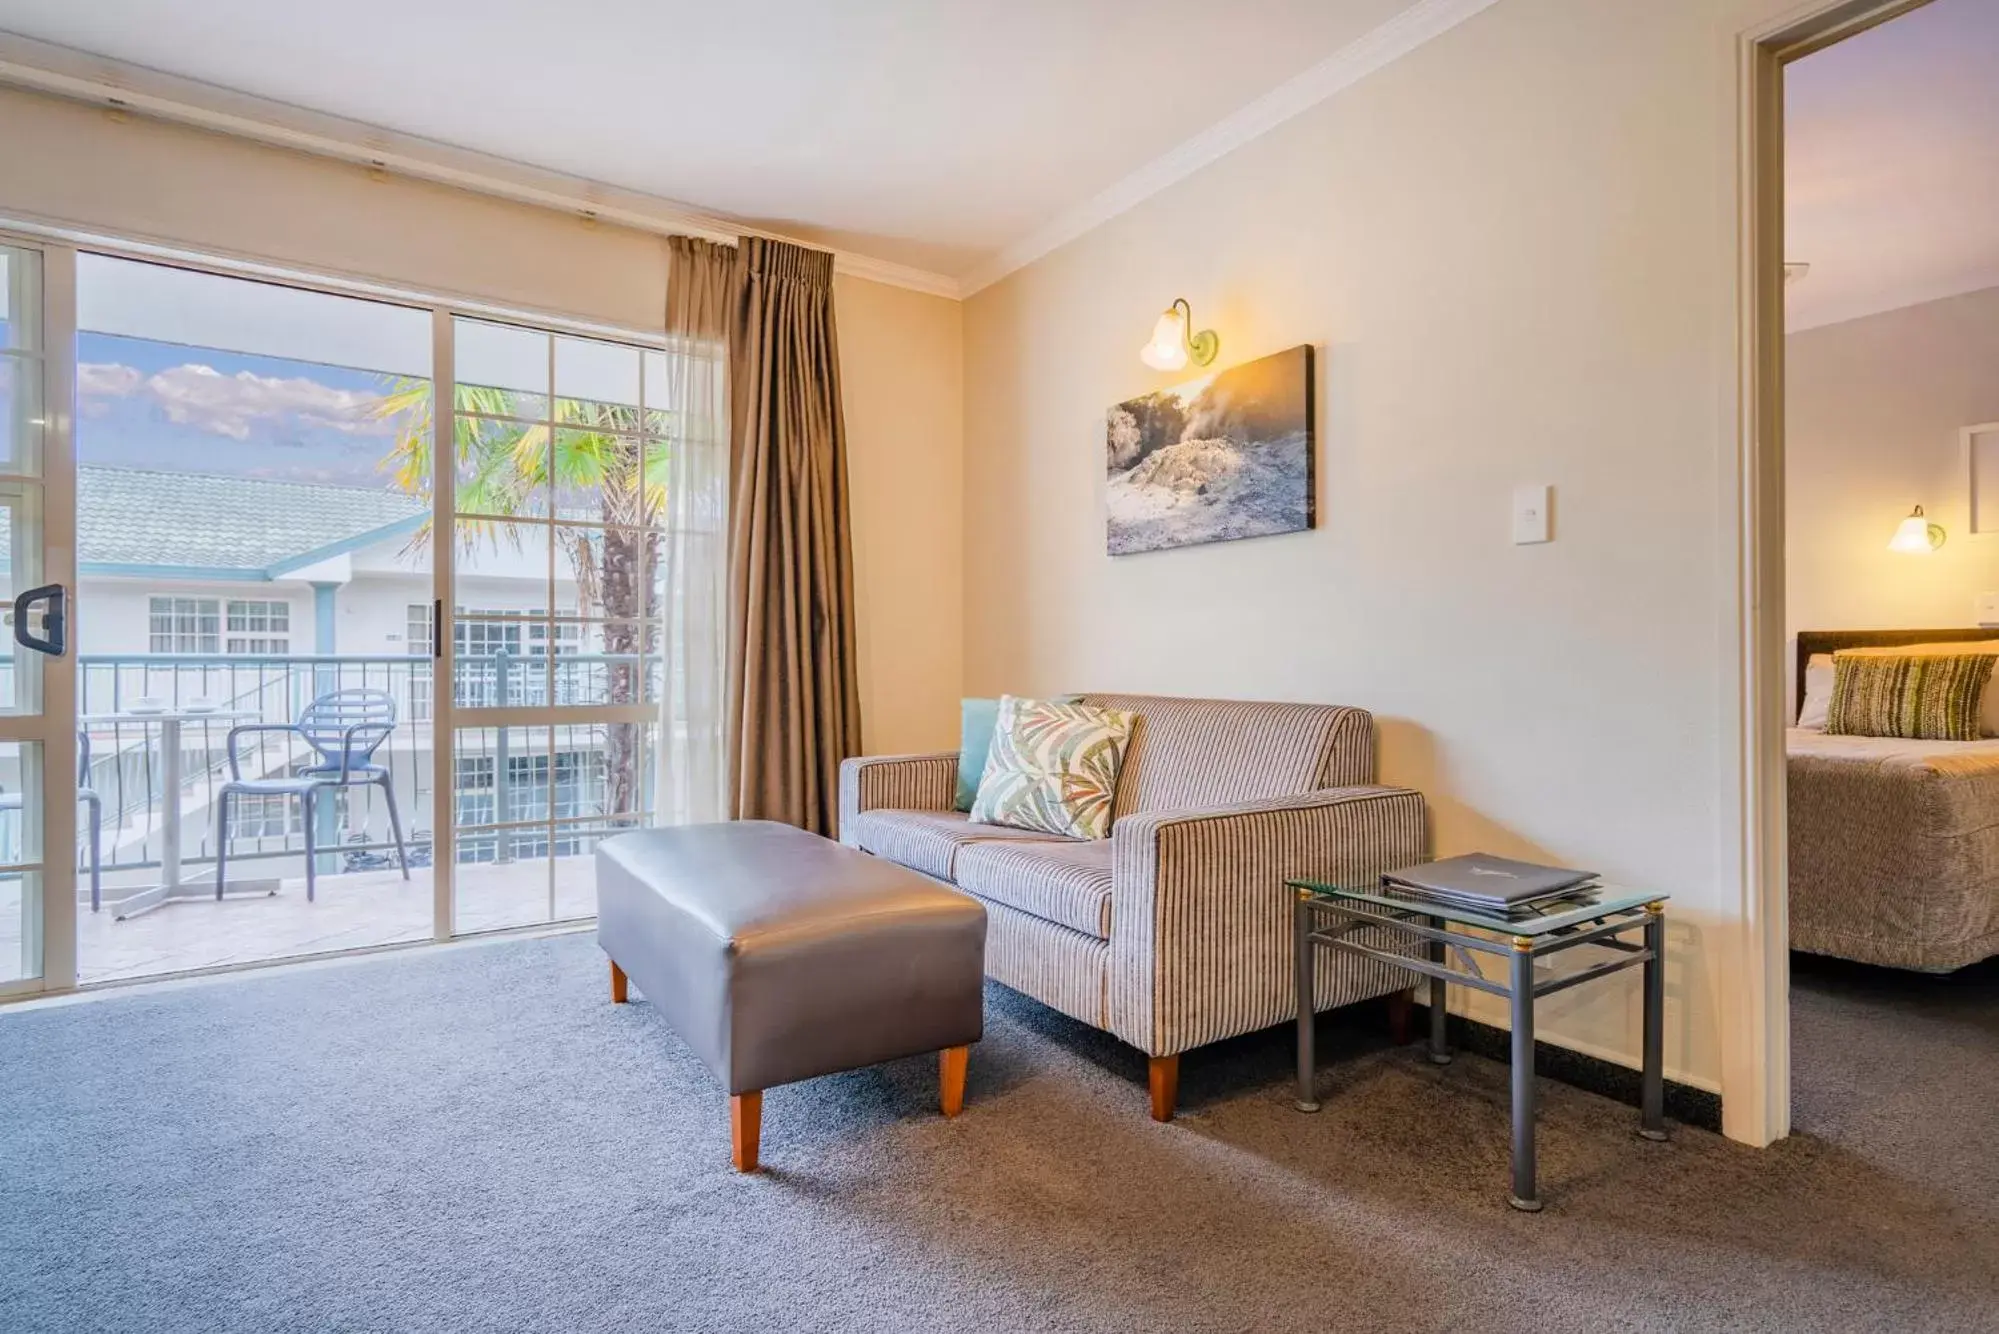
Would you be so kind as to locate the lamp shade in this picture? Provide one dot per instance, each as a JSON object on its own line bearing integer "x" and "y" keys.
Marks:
{"x": 1168, "y": 349}
{"x": 1916, "y": 535}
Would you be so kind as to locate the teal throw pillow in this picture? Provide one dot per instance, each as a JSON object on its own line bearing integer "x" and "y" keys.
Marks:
{"x": 976, "y": 719}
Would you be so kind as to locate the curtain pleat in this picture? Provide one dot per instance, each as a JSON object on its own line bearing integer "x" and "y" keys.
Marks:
{"x": 793, "y": 701}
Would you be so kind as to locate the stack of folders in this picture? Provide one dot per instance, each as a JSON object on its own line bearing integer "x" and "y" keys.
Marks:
{"x": 1484, "y": 883}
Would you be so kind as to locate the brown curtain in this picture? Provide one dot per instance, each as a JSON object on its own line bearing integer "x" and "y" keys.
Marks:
{"x": 793, "y": 708}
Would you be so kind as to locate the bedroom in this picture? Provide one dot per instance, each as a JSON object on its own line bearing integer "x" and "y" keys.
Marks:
{"x": 1892, "y": 563}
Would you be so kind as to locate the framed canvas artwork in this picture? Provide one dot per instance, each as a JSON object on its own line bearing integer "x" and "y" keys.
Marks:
{"x": 1226, "y": 456}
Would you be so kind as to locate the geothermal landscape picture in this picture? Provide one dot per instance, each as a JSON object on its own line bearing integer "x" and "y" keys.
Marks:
{"x": 1226, "y": 456}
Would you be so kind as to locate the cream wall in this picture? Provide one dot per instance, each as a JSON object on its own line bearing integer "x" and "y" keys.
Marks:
{"x": 1874, "y": 407}
{"x": 903, "y": 386}
{"x": 73, "y": 165}
{"x": 1515, "y": 250}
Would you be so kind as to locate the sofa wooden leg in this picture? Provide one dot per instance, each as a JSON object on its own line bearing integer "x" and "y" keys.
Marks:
{"x": 746, "y": 1120}
{"x": 1398, "y": 1015}
{"x": 951, "y": 1064}
{"x": 617, "y": 984}
{"x": 1163, "y": 1074}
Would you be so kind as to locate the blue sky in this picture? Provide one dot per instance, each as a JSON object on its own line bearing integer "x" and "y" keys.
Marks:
{"x": 145, "y": 404}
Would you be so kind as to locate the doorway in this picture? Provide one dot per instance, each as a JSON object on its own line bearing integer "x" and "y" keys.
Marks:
{"x": 1891, "y": 340}
{"x": 1782, "y": 509}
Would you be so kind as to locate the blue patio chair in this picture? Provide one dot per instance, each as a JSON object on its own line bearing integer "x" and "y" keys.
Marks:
{"x": 85, "y": 793}
{"x": 344, "y": 728}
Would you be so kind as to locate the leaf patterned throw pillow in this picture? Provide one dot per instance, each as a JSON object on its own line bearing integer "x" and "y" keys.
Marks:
{"x": 1053, "y": 767}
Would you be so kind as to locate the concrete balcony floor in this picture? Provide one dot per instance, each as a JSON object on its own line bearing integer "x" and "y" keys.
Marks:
{"x": 351, "y": 911}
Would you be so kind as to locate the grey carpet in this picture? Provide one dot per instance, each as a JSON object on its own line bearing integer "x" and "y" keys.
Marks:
{"x": 475, "y": 1139}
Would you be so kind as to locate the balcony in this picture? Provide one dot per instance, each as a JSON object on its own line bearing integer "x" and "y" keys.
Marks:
{"x": 529, "y": 804}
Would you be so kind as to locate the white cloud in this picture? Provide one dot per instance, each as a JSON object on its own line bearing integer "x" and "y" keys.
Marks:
{"x": 231, "y": 405}
{"x": 97, "y": 379}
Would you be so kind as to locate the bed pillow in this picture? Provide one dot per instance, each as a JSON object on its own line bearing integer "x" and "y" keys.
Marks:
{"x": 1988, "y": 721}
{"x": 1053, "y": 767}
{"x": 1924, "y": 697}
{"x": 1818, "y": 691}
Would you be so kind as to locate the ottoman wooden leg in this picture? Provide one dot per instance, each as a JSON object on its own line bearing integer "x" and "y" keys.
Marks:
{"x": 951, "y": 1078}
{"x": 746, "y": 1119}
{"x": 1163, "y": 1074}
{"x": 617, "y": 984}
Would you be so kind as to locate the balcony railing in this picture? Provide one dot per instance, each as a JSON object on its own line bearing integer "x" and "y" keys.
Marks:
{"x": 501, "y": 775}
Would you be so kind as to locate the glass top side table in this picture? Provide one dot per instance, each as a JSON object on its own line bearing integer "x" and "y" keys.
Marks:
{"x": 1333, "y": 915}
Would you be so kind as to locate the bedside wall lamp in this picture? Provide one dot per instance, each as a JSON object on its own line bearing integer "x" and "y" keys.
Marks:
{"x": 1173, "y": 343}
{"x": 1916, "y": 535}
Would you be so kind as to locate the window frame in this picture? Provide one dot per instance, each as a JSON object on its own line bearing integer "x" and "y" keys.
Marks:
{"x": 185, "y": 614}
{"x": 268, "y": 640}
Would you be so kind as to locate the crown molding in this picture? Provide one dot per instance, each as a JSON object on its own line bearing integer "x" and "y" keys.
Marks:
{"x": 80, "y": 76}
{"x": 1353, "y": 62}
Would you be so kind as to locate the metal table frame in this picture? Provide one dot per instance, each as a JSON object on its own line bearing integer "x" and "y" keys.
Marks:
{"x": 1321, "y": 919}
{"x": 172, "y": 888}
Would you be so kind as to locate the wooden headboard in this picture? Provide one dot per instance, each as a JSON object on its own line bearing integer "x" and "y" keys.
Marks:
{"x": 1812, "y": 642}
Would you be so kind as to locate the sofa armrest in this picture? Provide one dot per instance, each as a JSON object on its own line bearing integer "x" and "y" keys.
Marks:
{"x": 897, "y": 782}
{"x": 1201, "y": 924}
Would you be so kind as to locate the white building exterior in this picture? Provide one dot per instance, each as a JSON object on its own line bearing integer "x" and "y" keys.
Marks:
{"x": 247, "y": 573}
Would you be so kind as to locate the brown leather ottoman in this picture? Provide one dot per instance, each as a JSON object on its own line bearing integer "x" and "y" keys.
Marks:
{"x": 778, "y": 955}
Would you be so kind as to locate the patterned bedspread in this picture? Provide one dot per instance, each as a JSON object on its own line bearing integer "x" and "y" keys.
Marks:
{"x": 1894, "y": 849}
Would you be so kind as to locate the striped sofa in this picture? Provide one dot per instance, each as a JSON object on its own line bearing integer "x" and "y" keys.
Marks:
{"x": 1176, "y": 930}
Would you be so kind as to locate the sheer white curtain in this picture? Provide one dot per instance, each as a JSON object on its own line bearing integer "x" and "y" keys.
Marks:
{"x": 692, "y": 777}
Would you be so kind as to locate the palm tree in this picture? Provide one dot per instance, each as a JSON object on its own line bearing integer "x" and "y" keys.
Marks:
{"x": 590, "y": 462}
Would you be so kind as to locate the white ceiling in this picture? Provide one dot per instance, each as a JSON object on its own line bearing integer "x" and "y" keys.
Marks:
{"x": 1891, "y": 146}
{"x": 926, "y": 133}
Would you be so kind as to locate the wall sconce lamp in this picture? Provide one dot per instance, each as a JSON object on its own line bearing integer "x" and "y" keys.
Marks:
{"x": 1173, "y": 343}
{"x": 1916, "y": 535}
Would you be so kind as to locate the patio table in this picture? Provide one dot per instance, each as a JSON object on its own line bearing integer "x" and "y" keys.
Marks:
{"x": 172, "y": 888}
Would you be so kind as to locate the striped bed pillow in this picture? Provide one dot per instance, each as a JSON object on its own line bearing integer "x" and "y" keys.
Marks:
{"x": 1925, "y": 697}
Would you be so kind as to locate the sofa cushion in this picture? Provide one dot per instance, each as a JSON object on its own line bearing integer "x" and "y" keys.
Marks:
{"x": 1068, "y": 884}
{"x": 1053, "y": 767}
{"x": 926, "y": 841}
{"x": 1188, "y": 754}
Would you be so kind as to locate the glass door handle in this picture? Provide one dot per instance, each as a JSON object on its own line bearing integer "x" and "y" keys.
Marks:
{"x": 54, "y": 622}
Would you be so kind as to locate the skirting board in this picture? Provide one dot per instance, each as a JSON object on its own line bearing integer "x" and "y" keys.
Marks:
{"x": 1620, "y": 1083}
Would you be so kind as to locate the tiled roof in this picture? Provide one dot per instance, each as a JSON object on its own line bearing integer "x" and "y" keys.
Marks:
{"x": 133, "y": 517}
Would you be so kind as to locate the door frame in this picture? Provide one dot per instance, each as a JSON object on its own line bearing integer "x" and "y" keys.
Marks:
{"x": 59, "y": 247}
{"x": 1756, "y": 1040}
{"x": 52, "y": 726}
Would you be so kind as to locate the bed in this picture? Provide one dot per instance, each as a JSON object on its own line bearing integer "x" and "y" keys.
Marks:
{"x": 1894, "y": 844}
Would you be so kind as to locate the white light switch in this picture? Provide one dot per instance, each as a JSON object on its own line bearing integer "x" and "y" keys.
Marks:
{"x": 1988, "y": 609}
{"x": 1530, "y": 513}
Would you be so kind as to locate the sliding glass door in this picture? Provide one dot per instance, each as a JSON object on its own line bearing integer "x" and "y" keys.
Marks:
{"x": 334, "y": 617}
{"x": 554, "y": 614}
{"x": 252, "y": 527}
{"x": 38, "y": 809}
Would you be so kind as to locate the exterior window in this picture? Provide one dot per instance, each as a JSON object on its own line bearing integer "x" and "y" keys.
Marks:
{"x": 579, "y": 786}
{"x": 259, "y": 628}
{"x": 416, "y": 639}
{"x": 473, "y": 798}
{"x": 472, "y": 787}
{"x": 186, "y": 625}
{"x": 475, "y": 638}
{"x": 416, "y": 642}
{"x": 256, "y": 815}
